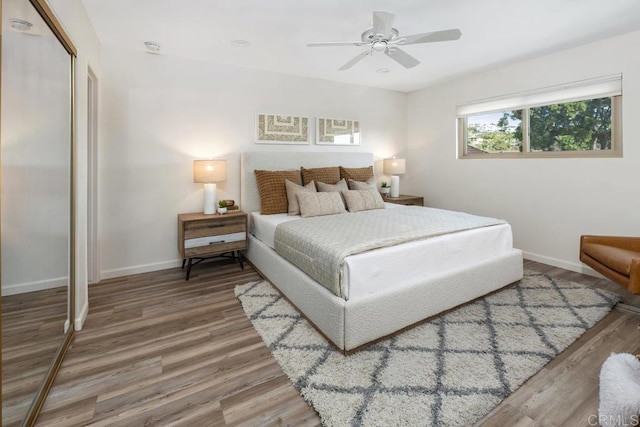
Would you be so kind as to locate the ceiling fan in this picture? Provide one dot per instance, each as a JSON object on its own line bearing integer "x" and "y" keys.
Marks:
{"x": 382, "y": 37}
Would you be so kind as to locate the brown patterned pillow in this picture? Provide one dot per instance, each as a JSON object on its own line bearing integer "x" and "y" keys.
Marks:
{"x": 328, "y": 175}
{"x": 273, "y": 193}
{"x": 318, "y": 204}
{"x": 363, "y": 200}
{"x": 356, "y": 174}
{"x": 292, "y": 194}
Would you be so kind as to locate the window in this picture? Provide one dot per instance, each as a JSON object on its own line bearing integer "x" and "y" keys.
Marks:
{"x": 575, "y": 120}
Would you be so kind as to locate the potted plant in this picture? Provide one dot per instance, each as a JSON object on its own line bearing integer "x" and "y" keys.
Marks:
{"x": 222, "y": 207}
{"x": 385, "y": 189}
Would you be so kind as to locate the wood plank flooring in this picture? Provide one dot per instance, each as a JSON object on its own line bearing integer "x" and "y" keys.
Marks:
{"x": 157, "y": 350}
{"x": 32, "y": 330}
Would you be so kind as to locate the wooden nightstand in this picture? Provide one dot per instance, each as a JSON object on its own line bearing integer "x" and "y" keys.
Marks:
{"x": 404, "y": 199}
{"x": 203, "y": 236}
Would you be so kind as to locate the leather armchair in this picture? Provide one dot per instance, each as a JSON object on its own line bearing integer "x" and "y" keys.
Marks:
{"x": 615, "y": 257}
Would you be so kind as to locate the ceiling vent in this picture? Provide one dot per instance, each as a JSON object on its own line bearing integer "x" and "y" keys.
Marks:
{"x": 152, "y": 47}
{"x": 20, "y": 24}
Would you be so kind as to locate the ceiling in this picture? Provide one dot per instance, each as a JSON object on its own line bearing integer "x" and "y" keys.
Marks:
{"x": 494, "y": 32}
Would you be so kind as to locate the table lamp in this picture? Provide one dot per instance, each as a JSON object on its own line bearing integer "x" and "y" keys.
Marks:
{"x": 208, "y": 172}
{"x": 394, "y": 167}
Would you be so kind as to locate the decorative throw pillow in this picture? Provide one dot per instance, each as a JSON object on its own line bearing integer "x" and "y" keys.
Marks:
{"x": 356, "y": 174}
{"x": 363, "y": 200}
{"x": 317, "y": 204}
{"x": 370, "y": 184}
{"x": 329, "y": 175}
{"x": 340, "y": 186}
{"x": 292, "y": 194}
{"x": 273, "y": 193}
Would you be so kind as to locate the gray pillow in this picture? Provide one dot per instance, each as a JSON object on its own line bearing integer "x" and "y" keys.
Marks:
{"x": 292, "y": 194}
{"x": 317, "y": 204}
{"x": 369, "y": 184}
{"x": 340, "y": 186}
{"x": 363, "y": 200}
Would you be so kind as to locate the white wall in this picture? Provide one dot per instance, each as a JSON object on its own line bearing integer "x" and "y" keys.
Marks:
{"x": 74, "y": 19}
{"x": 159, "y": 113}
{"x": 549, "y": 202}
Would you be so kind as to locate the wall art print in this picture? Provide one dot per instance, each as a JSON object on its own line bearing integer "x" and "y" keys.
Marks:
{"x": 337, "y": 132}
{"x": 281, "y": 129}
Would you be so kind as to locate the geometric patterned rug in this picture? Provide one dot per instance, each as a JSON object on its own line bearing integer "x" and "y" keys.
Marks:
{"x": 450, "y": 371}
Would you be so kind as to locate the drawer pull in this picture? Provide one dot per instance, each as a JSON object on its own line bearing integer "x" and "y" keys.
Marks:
{"x": 216, "y": 225}
{"x": 215, "y": 243}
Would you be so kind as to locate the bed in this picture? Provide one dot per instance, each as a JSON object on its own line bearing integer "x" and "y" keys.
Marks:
{"x": 389, "y": 288}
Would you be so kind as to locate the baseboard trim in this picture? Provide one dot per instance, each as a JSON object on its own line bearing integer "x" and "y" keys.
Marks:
{"x": 631, "y": 309}
{"x": 137, "y": 269}
{"x": 40, "y": 285}
{"x": 561, "y": 263}
{"x": 81, "y": 317}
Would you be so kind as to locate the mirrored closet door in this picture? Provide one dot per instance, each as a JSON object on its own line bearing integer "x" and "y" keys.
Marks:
{"x": 37, "y": 204}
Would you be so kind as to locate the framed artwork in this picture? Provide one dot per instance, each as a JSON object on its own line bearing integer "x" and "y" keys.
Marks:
{"x": 337, "y": 132}
{"x": 279, "y": 129}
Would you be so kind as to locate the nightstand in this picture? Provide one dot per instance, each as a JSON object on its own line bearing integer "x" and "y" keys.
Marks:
{"x": 202, "y": 237}
{"x": 404, "y": 199}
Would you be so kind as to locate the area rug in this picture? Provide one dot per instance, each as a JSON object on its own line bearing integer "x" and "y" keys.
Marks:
{"x": 449, "y": 371}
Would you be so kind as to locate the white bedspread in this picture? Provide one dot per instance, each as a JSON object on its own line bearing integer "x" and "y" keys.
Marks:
{"x": 402, "y": 265}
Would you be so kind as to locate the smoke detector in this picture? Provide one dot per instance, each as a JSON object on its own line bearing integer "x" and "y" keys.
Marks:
{"x": 152, "y": 47}
{"x": 20, "y": 24}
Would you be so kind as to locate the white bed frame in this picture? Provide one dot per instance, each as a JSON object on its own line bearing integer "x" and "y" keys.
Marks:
{"x": 353, "y": 323}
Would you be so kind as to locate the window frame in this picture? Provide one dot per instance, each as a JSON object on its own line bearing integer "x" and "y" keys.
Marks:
{"x": 616, "y": 133}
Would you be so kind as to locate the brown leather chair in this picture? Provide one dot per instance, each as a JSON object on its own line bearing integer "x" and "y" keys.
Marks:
{"x": 617, "y": 258}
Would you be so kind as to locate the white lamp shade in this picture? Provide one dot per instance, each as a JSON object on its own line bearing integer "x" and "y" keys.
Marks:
{"x": 393, "y": 166}
{"x": 208, "y": 171}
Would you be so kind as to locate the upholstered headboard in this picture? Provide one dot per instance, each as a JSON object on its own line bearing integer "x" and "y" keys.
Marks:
{"x": 279, "y": 160}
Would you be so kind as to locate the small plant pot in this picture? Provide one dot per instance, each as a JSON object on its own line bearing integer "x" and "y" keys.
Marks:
{"x": 385, "y": 191}
{"x": 222, "y": 211}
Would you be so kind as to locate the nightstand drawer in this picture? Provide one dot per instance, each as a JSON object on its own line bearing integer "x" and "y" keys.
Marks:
{"x": 214, "y": 248}
{"x": 213, "y": 228}
{"x": 212, "y": 240}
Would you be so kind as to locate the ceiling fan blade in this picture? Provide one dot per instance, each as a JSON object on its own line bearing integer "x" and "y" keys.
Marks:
{"x": 434, "y": 36}
{"x": 382, "y": 22}
{"x": 354, "y": 61}
{"x": 337, "y": 44}
{"x": 401, "y": 57}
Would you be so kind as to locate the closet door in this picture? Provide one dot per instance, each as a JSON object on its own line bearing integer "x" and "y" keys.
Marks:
{"x": 37, "y": 204}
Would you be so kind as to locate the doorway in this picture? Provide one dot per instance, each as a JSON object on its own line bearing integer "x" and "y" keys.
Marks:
{"x": 93, "y": 243}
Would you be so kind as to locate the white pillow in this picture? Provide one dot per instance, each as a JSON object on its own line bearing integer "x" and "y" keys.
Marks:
{"x": 292, "y": 191}
{"x": 317, "y": 204}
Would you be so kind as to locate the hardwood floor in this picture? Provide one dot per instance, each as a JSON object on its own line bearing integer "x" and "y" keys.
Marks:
{"x": 156, "y": 349}
{"x": 32, "y": 330}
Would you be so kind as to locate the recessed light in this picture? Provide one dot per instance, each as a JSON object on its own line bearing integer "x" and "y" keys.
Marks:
{"x": 240, "y": 43}
{"x": 20, "y": 24}
{"x": 152, "y": 47}
{"x": 382, "y": 70}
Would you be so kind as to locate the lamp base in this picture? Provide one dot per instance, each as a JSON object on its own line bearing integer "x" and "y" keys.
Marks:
{"x": 395, "y": 186}
{"x": 209, "y": 199}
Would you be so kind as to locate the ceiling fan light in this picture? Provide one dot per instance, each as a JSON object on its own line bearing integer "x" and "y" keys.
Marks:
{"x": 379, "y": 46}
